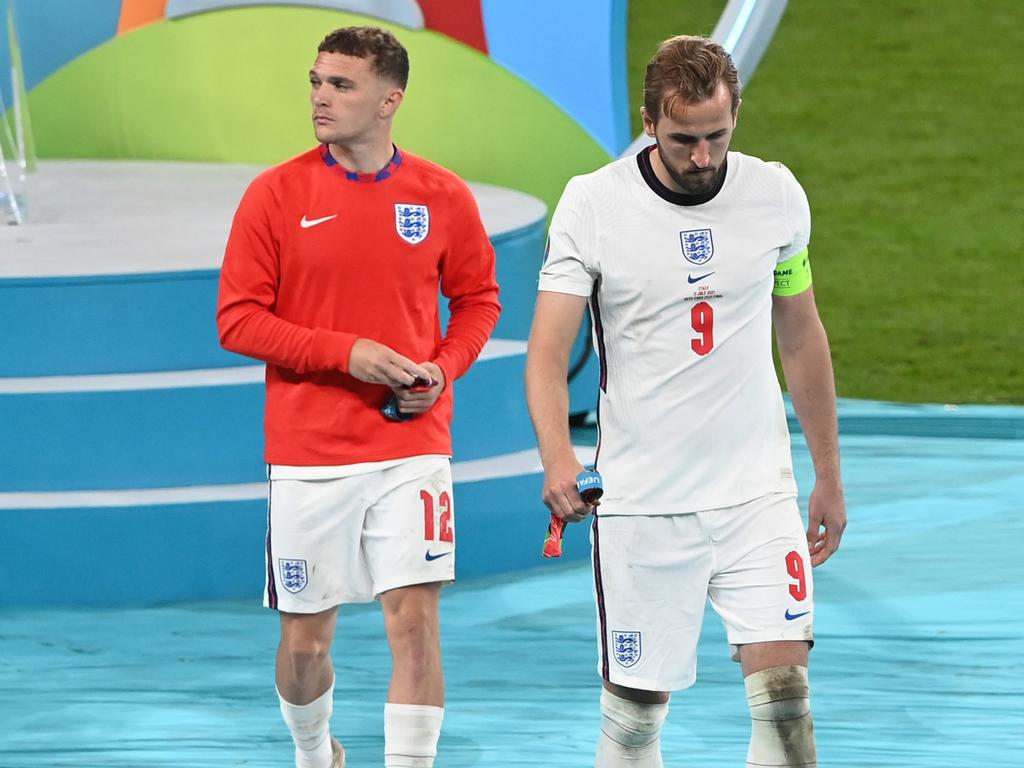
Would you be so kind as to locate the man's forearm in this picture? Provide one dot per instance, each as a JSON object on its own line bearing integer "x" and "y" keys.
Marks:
{"x": 258, "y": 333}
{"x": 547, "y": 395}
{"x": 470, "y": 325}
{"x": 808, "y": 370}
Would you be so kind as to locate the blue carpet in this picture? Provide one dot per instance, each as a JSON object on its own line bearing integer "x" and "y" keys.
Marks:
{"x": 919, "y": 624}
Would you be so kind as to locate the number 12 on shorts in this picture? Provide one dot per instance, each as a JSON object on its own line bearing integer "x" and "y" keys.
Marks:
{"x": 437, "y": 517}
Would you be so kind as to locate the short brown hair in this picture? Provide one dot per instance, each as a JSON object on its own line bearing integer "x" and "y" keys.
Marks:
{"x": 689, "y": 68}
{"x": 390, "y": 59}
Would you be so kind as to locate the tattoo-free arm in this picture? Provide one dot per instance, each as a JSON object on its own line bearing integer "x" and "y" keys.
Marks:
{"x": 807, "y": 365}
{"x": 556, "y": 322}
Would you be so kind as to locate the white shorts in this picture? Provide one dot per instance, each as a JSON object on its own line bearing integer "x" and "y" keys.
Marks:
{"x": 654, "y": 574}
{"x": 348, "y": 539}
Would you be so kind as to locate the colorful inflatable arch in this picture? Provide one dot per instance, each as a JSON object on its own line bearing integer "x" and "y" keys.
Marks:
{"x": 223, "y": 80}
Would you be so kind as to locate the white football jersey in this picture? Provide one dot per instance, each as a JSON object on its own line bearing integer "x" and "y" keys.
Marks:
{"x": 690, "y": 410}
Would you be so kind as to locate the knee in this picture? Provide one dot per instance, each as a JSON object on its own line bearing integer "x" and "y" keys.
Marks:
{"x": 632, "y": 727}
{"x": 412, "y": 628}
{"x": 305, "y": 654}
{"x": 782, "y": 730}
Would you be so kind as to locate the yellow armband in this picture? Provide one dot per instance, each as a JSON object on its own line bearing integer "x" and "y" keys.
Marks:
{"x": 793, "y": 276}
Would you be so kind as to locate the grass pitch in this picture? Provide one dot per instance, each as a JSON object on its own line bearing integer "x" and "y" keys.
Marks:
{"x": 899, "y": 118}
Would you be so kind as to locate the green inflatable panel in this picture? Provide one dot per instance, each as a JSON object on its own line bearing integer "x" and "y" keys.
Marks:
{"x": 231, "y": 86}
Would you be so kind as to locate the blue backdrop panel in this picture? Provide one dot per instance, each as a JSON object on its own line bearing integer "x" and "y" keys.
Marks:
{"x": 573, "y": 53}
{"x": 116, "y": 324}
{"x": 142, "y": 439}
{"x": 144, "y": 555}
{"x": 501, "y": 527}
{"x": 167, "y": 321}
{"x": 52, "y": 33}
{"x": 207, "y": 435}
{"x": 132, "y": 555}
{"x": 490, "y": 410}
{"x": 520, "y": 255}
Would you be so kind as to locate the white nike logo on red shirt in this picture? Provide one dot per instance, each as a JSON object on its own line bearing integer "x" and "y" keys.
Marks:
{"x": 307, "y": 223}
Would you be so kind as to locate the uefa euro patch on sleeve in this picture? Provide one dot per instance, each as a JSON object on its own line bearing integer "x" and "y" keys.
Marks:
{"x": 698, "y": 245}
{"x": 412, "y": 222}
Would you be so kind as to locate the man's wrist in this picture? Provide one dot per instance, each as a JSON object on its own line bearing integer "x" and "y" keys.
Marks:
{"x": 555, "y": 459}
{"x": 442, "y": 376}
{"x": 829, "y": 479}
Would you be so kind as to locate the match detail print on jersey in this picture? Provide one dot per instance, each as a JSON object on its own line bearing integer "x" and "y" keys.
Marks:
{"x": 793, "y": 276}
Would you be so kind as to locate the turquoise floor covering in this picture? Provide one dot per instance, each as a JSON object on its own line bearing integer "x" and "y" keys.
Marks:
{"x": 919, "y": 658}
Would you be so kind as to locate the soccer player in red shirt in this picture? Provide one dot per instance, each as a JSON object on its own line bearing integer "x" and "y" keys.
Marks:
{"x": 331, "y": 277}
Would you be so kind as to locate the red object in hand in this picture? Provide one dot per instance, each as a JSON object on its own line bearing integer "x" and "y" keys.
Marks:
{"x": 590, "y": 488}
{"x": 553, "y": 541}
{"x": 421, "y": 385}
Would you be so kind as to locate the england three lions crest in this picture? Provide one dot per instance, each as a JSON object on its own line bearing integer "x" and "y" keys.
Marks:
{"x": 698, "y": 247}
{"x": 412, "y": 222}
{"x": 293, "y": 574}
{"x": 626, "y": 646}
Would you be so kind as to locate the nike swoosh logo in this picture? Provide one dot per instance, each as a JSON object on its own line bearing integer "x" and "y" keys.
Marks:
{"x": 434, "y": 557}
{"x": 691, "y": 280}
{"x": 791, "y": 616}
{"x": 307, "y": 223}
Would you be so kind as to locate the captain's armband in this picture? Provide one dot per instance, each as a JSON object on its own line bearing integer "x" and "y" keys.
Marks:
{"x": 793, "y": 276}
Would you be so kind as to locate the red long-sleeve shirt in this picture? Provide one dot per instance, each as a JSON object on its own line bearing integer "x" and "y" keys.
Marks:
{"x": 318, "y": 257}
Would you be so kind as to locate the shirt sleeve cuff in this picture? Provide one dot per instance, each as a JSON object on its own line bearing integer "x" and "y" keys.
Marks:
{"x": 562, "y": 284}
{"x": 330, "y": 350}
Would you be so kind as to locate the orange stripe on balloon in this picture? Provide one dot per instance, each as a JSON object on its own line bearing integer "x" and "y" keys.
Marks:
{"x": 138, "y": 13}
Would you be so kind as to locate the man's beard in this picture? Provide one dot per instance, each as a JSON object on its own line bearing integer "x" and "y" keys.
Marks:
{"x": 694, "y": 183}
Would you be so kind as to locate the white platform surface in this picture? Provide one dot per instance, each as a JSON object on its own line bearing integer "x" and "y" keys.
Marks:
{"x": 123, "y": 217}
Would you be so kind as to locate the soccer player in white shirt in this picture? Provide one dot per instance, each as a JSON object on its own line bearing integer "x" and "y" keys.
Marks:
{"x": 687, "y": 255}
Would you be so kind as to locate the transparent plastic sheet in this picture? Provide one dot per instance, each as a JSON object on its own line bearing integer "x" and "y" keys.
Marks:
{"x": 17, "y": 144}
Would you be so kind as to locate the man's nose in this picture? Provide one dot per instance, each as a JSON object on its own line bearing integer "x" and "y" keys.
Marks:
{"x": 701, "y": 154}
{"x": 319, "y": 96}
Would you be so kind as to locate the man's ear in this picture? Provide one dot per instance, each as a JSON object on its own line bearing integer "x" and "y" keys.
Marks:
{"x": 648, "y": 122}
{"x": 392, "y": 100}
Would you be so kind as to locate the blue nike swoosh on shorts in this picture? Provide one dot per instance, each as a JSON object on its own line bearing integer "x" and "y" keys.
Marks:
{"x": 791, "y": 616}
{"x": 430, "y": 557}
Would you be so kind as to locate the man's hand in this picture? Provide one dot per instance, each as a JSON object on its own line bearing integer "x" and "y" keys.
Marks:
{"x": 826, "y": 520}
{"x": 375, "y": 363}
{"x": 560, "y": 493}
{"x": 420, "y": 399}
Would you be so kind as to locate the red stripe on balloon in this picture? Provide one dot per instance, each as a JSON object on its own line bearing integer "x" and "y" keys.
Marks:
{"x": 462, "y": 20}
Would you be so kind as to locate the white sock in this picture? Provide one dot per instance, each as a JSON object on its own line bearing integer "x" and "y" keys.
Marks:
{"x": 410, "y": 735}
{"x": 310, "y": 727}
{"x": 630, "y": 733}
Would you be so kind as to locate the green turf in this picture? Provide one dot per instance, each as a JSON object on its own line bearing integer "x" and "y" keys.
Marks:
{"x": 900, "y": 119}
